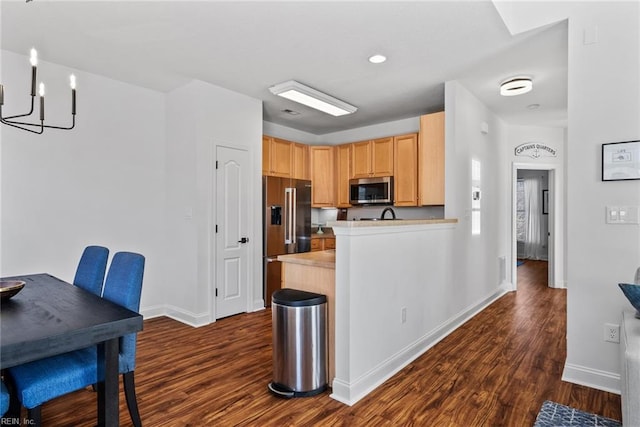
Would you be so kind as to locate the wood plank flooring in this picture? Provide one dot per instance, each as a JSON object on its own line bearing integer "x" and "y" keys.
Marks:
{"x": 495, "y": 370}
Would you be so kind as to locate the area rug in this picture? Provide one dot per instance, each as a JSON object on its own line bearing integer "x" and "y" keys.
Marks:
{"x": 556, "y": 415}
{"x": 519, "y": 263}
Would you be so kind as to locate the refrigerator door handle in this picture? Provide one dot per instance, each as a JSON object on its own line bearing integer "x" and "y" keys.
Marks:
{"x": 294, "y": 210}
{"x": 288, "y": 202}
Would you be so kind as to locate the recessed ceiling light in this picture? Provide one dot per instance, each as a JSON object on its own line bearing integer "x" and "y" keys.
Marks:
{"x": 516, "y": 86}
{"x": 533, "y": 106}
{"x": 377, "y": 59}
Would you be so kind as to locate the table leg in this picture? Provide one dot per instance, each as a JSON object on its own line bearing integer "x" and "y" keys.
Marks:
{"x": 108, "y": 399}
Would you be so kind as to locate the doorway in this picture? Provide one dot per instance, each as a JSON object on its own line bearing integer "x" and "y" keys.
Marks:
{"x": 230, "y": 291}
{"x": 543, "y": 181}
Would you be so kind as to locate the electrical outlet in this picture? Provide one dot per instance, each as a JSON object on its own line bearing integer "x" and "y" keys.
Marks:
{"x": 403, "y": 314}
{"x": 612, "y": 332}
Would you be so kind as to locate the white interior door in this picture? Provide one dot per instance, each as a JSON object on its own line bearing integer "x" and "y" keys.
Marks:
{"x": 232, "y": 195}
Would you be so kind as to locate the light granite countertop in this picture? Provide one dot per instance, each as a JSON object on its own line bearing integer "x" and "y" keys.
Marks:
{"x": 391, "y": 223}
{"x": 325, "y": 259}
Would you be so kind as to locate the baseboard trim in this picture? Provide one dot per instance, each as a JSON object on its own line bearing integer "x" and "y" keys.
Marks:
{"x": 351, "y": 393}
{"x": 176, "y": 313}
{"x": 258, "y": 305}
{"x": 593, "y": 378}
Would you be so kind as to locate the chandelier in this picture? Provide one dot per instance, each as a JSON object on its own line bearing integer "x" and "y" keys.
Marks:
{"x": 37, "y": 127}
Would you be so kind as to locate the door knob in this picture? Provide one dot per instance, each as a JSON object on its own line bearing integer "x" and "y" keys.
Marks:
{"x": 243, "y": 240}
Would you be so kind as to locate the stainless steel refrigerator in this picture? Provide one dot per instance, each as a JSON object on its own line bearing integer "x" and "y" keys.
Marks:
{"x": 286, "y": 219}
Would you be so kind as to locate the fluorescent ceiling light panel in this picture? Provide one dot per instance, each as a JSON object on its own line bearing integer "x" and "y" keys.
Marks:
{"x": 312, "y": 98}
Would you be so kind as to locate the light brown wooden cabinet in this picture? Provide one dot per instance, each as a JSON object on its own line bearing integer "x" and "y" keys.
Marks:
{"x": 372, "y": 158}
{"x": 343, "y": 161}
{"x": 300, "y": 162}
{"x": 322, "y": 243}
{"x": 323, "y": 186}
{"x": 405, "y": 173}
{"x": 276, "y": 157}
{"x": 431, "y": 160}
{"x": 284, "y": 158}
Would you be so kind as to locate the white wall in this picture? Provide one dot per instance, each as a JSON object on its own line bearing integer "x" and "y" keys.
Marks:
{"x": 137, "y": 162}
{"x": 477, "y": 255}
{"x": 201, "y": 116}
{"x": 379, "y": 271}
{"x": 603, "y": 106}
{"x": 100, "y": 183}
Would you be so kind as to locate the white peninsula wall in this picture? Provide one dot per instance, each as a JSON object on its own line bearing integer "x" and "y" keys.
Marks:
{"x": 396, "y": 297}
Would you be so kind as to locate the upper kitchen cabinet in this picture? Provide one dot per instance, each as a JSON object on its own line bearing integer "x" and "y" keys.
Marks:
{"x": 405, "y": 176}
{"x": 431, "y": 160}
{"x": 300, "y": 167}
{"x": 276, "y": 157}
{"x": 323, "y": 186}
{"x": 343, "y": 161}
{"x": 372, "y": 158}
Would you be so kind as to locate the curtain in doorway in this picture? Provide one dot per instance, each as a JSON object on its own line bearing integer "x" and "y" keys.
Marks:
{"x": 533, "y": 239}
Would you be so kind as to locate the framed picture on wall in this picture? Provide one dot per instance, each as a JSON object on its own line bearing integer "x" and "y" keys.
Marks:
{"x": 545, "y": 202}
{"x": 621, "y": 161}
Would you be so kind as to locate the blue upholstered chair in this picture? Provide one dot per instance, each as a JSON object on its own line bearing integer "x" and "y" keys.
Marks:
{"x": 40, "y": 381}
{"x": 4, "y": 399}
{"x": 91, "y": 269}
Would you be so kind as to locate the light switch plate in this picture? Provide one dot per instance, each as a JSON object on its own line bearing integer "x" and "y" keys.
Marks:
{"x": 622, "y": 215}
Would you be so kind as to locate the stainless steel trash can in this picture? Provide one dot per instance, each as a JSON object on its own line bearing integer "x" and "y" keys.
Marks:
{"x": 299, "y": 343}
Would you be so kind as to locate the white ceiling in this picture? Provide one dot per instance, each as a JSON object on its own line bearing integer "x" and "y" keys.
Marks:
{"x": 248, "y": 46}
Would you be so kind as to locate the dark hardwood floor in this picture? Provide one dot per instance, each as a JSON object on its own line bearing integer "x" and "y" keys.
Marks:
{"x": 495, "y": 370}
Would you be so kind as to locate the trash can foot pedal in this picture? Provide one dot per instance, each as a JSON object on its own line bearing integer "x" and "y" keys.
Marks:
{"x": 280, "y": 391}
{"x": 285, "y": 392}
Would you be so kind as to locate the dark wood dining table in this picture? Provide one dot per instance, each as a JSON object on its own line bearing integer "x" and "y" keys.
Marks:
{"x": 50, "y": 316}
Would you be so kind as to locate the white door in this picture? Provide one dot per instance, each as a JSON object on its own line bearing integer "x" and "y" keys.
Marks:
{"x": 232, "y": 195}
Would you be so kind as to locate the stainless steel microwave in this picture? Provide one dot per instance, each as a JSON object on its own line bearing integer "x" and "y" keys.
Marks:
{"x": 371, "y": 191}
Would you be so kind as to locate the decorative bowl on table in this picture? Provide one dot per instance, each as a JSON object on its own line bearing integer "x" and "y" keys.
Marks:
{"x": 9, "y": 288}
{"x": 632, "y": 292}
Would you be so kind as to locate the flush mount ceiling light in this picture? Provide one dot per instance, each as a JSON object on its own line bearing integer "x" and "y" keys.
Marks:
{"x": 377, "y": 59}
{"x": 516, "y": 86}
{"x": 312, "y": 98}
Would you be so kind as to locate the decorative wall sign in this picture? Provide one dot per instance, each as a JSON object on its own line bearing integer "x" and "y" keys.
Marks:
{"x": 535, "y": 150}
{"x": 621, "y": 161}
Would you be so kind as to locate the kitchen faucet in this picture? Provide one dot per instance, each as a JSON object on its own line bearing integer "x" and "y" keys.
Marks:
{"x": 393, "y": 214}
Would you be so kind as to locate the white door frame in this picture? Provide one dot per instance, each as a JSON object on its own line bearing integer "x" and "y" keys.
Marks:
{"x": 556, "y": 222}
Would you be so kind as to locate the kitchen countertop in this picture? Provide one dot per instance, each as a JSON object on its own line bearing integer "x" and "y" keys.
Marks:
{"x": 324, "y": 235}
{"x": 325, "y": 259}
{"x": 391, "y": 223}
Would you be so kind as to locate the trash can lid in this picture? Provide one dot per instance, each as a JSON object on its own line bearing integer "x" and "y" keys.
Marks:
{"x": 297, "y": 298}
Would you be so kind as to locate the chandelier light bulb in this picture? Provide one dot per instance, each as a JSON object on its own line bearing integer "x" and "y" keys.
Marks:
{"x": 34, "y": 57}
{"x": 41, "y": 90}
{"x": 72, "y": 81}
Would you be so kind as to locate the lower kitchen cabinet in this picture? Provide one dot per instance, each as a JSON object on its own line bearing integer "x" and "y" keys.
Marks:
{"x": 322, "y": 243}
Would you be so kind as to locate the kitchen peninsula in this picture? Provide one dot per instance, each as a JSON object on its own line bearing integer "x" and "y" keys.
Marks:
{"x": 385, "y": 284}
